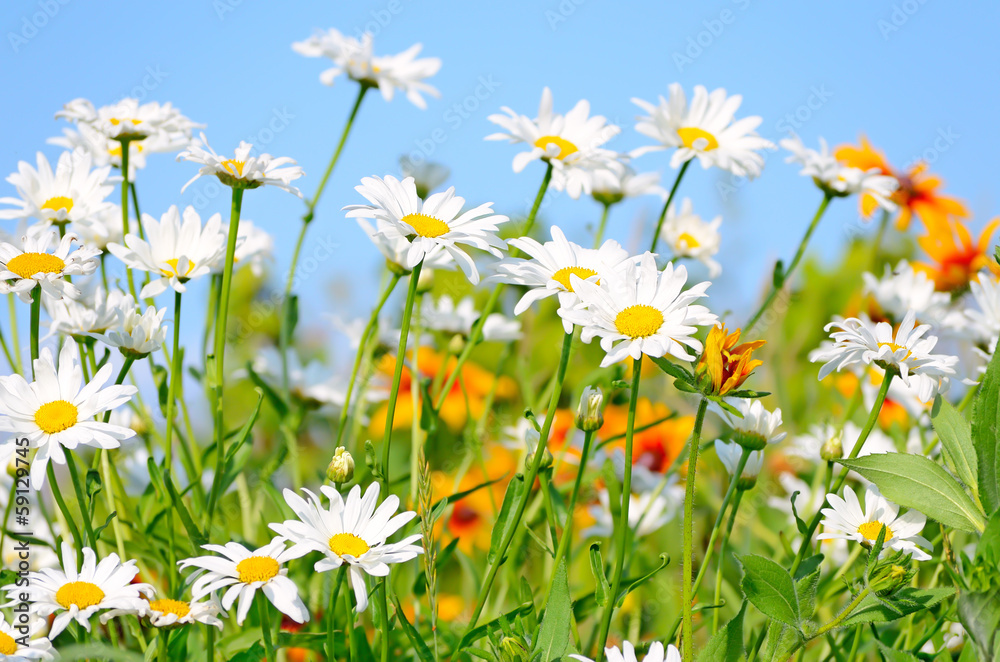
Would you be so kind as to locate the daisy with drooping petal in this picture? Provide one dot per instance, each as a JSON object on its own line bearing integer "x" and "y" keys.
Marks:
{"x": 355, "y": 57}
{"x": 94, "y": 312}
{"x": 13, "y": 649}
{"x": 548, "y": 271}
{"x": 690, "y": 237}
{"x": 570, "y": 143}
{"x": 757, "y": 427}
{"x": 36, "y": 263}
{"x": 57, "y": 410}
{"x": 243, "y": 572}
{"x": 730, "y": 453}
{"x": 845, "y": 519}
{"x": 430, "y": 227}
{"x": 641, "y": 310}
{"x": 135, "y": 333}
{"x": 837, "y": 179}
{"x": 352, "y": 531}
{"x": 611, "y": 186}
{"x": 75, "y": 191}
{"x": 705, "y": 130}
{"x": 174, "y": 250}
{"x": 167, "y": 613}
{"x": 656, "y": 654}
{"x": 129, "y": 120}
{"x": 906, "y": 351}
{"x": 243, "y": 170}
{"x": 77, "y": 595}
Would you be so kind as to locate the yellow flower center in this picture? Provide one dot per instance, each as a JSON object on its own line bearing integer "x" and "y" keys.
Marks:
{"x": 7, "y": 644}
{"x": 59, "y": 202}
{"x": 81, "y": 594}
{"x": 562, "y": 276}
{"x": 176, "y": 607}
{"x": 697, "y": 139}
{"x": 895, "y": 348}
{"x": 687, "y": 240}
{"x": 257, "y": 569}
{"x": 115, "y": 121}
{"x": 565, "y": 147}
{"x": 639, "y": 321}
{"x": 426, "y": 226}
{"x": 56, "y": 416}
{"x": 348, "y": 544}
{"x": 27, "y": 265}
{"x": 173, "y": 265}
{"x": 234, "y": 167}
{"x": 870, "y": 530}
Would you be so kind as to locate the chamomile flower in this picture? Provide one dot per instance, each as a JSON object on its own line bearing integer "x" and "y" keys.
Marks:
{"x": 167, "y": 613}
{"x": 729, "y": 454}
{"x": 355, "y": 57}
{"x": 351, "y": 531}
{"x": 431, "y": 227}
{"x": 35, "y": 263}
{"x": 648, "y": 512}
{"x": 395, "y": 246}
{"x": 902, "y": 289}
{"x": 243, "y": 170}
{"x": 129, "y": 120}
{"x": 705, "y": 130}
{"x": 859, "y": 341}
{"x": 443, "y": 314}
{"x": 837, "y": 179}
{"x": 656, "y": 654}
{"x": 77, "y": 594}
{"x": 550, "y": 266}
{"x": 611, "y": 186}
{"x": 103, "y": 150}
{"x": 94, "y": 312}
{"x": 57, "y": 410}
{"x": 571, "y": 143}
{"x": 986, "y": 320}
{"x": 174, "y": 250}
{"x": 691, "y": 237}
{"x": 135, "y": 333}
{"x": 242, "y": 573}
{"x": 74, "y": 191}
{"x": 641, "y": 310}
{"x": 13, "y": 649}
{"x": 757, "y": 427}
{"x": 845, "y": 519}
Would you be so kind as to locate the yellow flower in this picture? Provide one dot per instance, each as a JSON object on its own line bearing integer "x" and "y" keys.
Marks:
{"x": 724, "y": 362}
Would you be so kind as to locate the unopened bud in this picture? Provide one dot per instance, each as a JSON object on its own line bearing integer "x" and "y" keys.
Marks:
{"x": 512, "y": 649}
{"x": 832, "y": 449}
{"x": 887, "y": 578}
{"x": 531, "y": 438}
{"x": 590, "y": 413}
{"x": 341, "y": 467}
{"x": 456, "y": 344}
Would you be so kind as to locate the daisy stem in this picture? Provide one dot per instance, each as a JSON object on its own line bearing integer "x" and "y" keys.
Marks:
{"x": 331, "y": 620}
{"x": 599, "y": 235}
{"x": 285, "y": 333}
{"x": 666, "y": 205}
{"x": 877, "y": 245}
{"x": 362, "y": 345}
{"x": 383, "y": 609}
{"x": 476, "y": 334}
{"x": 529, "y": 482}
{"x": 161, "y": 645}
{"x": 126, "y": 366}
{"x": 14, "y": 339}
{"x": 263, "y": 608}
{"x": 722, "y": 558}
{"x": 623, "y": 525}
{"x": 176, "y": 373}
{"x": 81, "y": 498}
{"x": 687, "y": 630}
{"x": 783, "y": 278}
{"x": 125, "y": 228}
{"x": 567, "y": 534}
{"x": 6, "y": 352}
{"x": 36, "y": 316}
{"x": 61, "y": 503}
{"x": 404, "y": 332}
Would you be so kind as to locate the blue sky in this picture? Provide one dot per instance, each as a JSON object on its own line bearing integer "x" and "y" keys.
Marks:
{"x": 908, "y": 74}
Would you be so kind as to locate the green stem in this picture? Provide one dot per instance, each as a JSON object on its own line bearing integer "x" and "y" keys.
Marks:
{"x": 623, "y": 524}
{"x": 331, "y": 620}
{"x": 666, "y": 205}
{"x": 81, "y": 499}
{"x": 126, "y": 366}
{"x": 264, "y": 609}
{"x": 61, "y": 503}
{"x": 722, "y": 559}
{"x": 787, "y": 273}
{"x": 404, "y": 332}
{"x": 877, "y": 246}
{"x": 6, "y": 352}
{"x": 567, "y": 535}
{"x": 125, "y": 228}
{"x": 161, "y": 645}
{"x": 36, "y": 316}
{"x": 383, "y": 593}
{"x": 176, "y": 374}
{"x": 687, "y": 631}
{"x": 599, "y": 235}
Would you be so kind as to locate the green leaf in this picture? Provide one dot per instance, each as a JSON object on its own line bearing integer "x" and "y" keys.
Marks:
{"x": 102, "y": 651}
{"x": 673, "y": 369}
{"x": 771, "y": 589}
{"x": 747, "y": 393}
{"x": 505, "y": 523}
{"x": 94, "y": 483}
{"x": 988, "y": 549}
{"x": 597, "y": 567}
{"x": 255, "y": 653}
{"x": 907, "y": 600}
{"x": 279, "y": 404}
{"x": 632, "y": 585}
{"x": 986, "y": 435}
{"x": 197, "y": 537}
{"x": 778, "y": 277}
{"x": 99, "y": 530}
{"x": 553, "y": 633}
{"x": 980, "y": 616}
{"x": 423, "y": 652}
{"x": 913, "y": 481}
{"x": 726, "y": 645}
{"x": 955, "y": 434}
{"x": 807, "y": 566}
{"x": 805, "y": 590}
{"x": 483, "y": 629}
{"x": 893, "y": 655}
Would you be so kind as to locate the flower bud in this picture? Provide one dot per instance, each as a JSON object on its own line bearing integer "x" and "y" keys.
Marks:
{"x": 341, "y": 467}
{"x": 590, "y": 414}
{"x": 456, "y": 344}
{"x": 833, "y": 449}
{"x": 889, "y": 577}
{"x": 512, "y": 649}
{"x": 531, "y": 438}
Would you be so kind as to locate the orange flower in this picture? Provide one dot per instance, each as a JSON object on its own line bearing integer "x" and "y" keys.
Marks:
{"x": 472, "y": 517}
{"x": 727, "y": 364}
{"x": 655, "y": 448}
{"x": 917, "y": 192}
{"x": 956, "y": 262}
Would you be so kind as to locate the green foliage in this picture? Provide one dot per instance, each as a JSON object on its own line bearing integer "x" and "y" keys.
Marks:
{"x": 986, "y": 435}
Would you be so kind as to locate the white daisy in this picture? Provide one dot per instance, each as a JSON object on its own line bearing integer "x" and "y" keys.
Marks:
{"x": 443, "y": 314}
{"x": 902, "y": 289}
{"x": 431, "y": 227}
{"x": 106, "y": 151}
{"x": 757, "y": 427}
{"x": 835, "y": 178}
{"x": 388, "y": 73}
{"x": 395, "y": 247}
{"x": 548, "y": 271}
{"x": 102, "y": 228}
{"x": 165, "y": 613}
{"x": 174, "y": 251}
{"x": 704, "y": 129}
{"x": 74, "y": 191}
{"x": 243, "y": 572}
{"x": 130, "y": 120}
{"x": 985, "y": 322}
{"x": 57, "y": 410}
{"x": 729, "y": 454}
{"x": 571, "y": 143}
{"x": 648, "y": 512}
{"x": 135, "y": 333}
{"x": 656, "y": 654}
{"x": 846, "y": 520}
{"x": 12, "y": 648}
{"x": 352, "y": 531}
{"x": 243, "y": 170}
{"x": 690, "y": 237}
{"x": 255, "y": 247}
{"x": 641, "y": 310}
{"x": 35, "y": 263}
{"x": 859, "y": 341}
{"x": 612, "y": 186}
{"x": 78, "y": 595}
{"x": 94, "y": 312}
